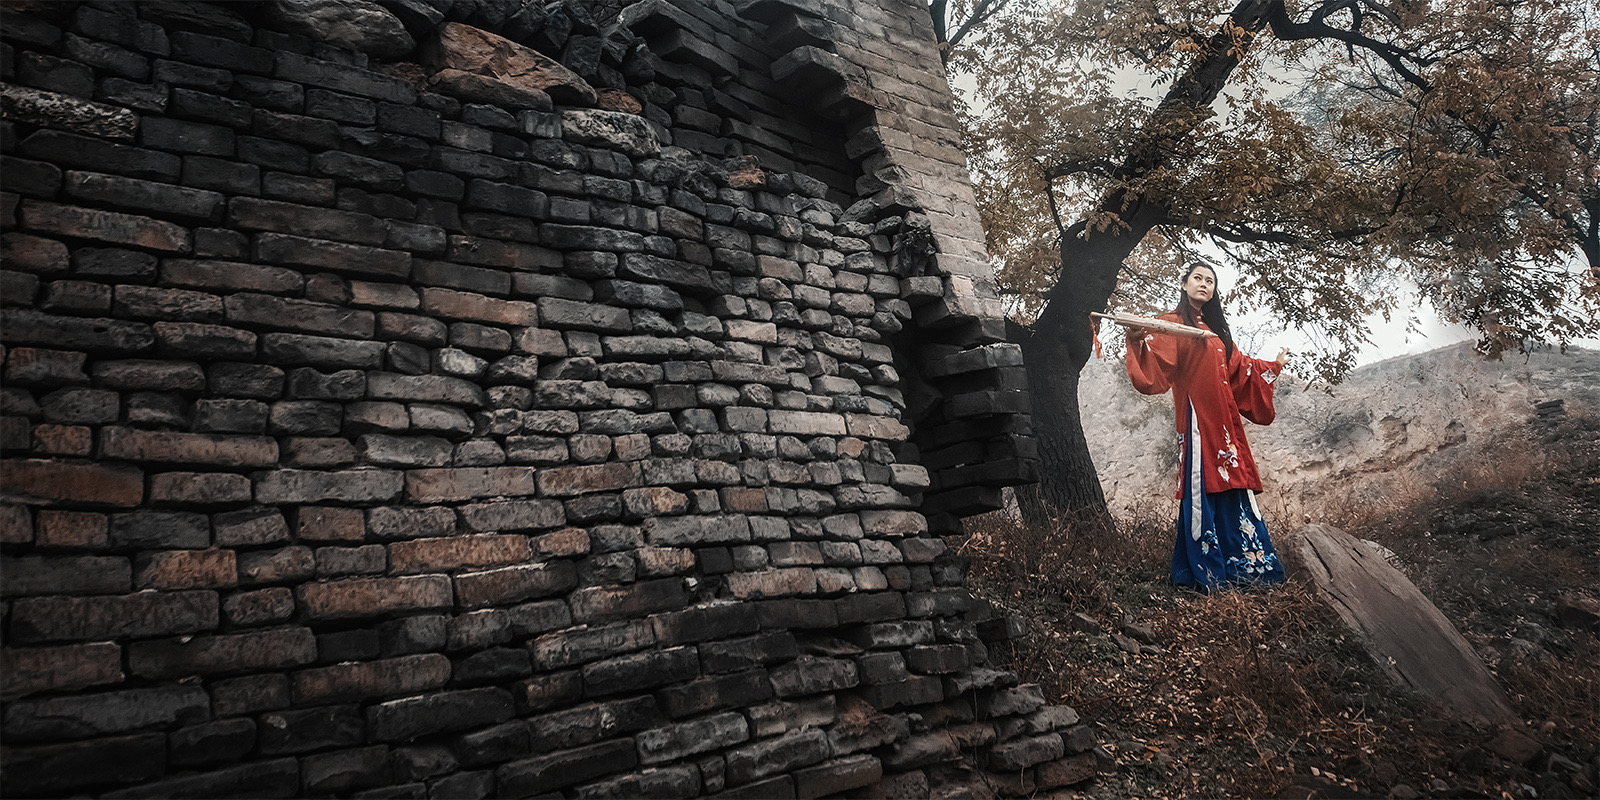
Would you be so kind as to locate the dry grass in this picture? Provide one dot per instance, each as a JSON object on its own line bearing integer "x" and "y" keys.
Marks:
{"x": 1255, "y": 694}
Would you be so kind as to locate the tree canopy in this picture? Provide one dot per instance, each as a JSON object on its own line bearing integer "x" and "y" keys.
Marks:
{"x": 1357, "y": 149}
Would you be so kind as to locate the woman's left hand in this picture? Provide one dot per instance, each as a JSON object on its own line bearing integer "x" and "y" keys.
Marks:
{"x": 1283, "y": 357}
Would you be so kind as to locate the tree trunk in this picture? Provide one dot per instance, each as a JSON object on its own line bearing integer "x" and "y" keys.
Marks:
{"x": 1061, "y": 341}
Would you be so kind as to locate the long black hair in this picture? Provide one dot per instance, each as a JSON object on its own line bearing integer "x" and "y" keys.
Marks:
{"x": 1210, "y": 310}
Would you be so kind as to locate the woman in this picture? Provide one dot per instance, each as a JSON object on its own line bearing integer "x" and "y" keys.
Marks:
{"x": 1222, "y": 540}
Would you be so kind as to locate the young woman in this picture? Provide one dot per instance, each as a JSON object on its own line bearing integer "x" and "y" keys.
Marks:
{"x": 1222, "y": 540}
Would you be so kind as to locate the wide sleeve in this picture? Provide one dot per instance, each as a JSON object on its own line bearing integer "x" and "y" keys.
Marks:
{"x": 1152, "y": 361}
{"x": 1252, "y": 381}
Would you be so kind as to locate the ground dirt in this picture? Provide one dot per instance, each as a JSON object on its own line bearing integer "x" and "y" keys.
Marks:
{"x": 1267, "y": 694}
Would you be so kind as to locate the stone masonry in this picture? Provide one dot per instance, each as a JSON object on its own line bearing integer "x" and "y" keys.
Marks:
{"x": 464, "y": 398}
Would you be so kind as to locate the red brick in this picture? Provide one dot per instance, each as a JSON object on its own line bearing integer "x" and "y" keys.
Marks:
{"x": 387, "y": 678}
{"x": 257, "y": 651}
{"x": 568, "y": 481}
{"x": 565, "y": 543}
{"x": 31, "y": 253}
{"x": 187, "y": 569}
{"x": 374, "y": 597}
{"x": 132, "y": 444}
{"x": 44, "y": 619}
{"x": 330, "y": 524}
{"x": 47, "y": 669}
{"x": 468, "y": 483}
{"x": 62, "y": 440}
{"x": 457, "y": 552}
{"x": 39, "y": 481}
{"x": 452, "y": 304}
{"x": 105, "y": 226}
{"x": 80, "y": 530}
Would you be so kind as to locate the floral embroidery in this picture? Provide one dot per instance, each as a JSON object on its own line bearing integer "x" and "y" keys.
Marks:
{"x": 1227, "y": 457}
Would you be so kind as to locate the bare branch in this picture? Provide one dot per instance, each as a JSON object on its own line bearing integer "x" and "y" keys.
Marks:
{"x": 1317, "y": 28}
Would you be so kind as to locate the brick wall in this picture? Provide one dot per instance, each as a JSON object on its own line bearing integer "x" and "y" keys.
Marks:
{"x": 483, "y": 422}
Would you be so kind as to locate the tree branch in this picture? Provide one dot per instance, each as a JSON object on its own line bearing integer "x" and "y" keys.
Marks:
{"x": 1317, "y": 28}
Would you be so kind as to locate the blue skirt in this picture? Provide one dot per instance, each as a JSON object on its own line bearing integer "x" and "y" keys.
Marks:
{"x": 1222, "y": 540}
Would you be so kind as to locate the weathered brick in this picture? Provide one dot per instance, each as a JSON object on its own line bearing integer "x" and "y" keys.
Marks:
{"x": 513, "y": 584}
{"x": 348, "y": 486}
{"x": 592, "y": 722}
{"x": 256, "y": 651}
{"x": 131, "y": 444}
{"x": 149, "y": 375}
{"x": 212, "y": 743}
{"x": 360, "y": 681}
{"x": 457, "y": 552}
{"x": 345, "y": 770}
{"x": 320, "y": 223}
{"x": 141, "y": 195}
{"x": 76, "y": 765}
{"x": 359, "y": 598}
{"x": 25, "y": 326}
{"x": 603, "y": 603}
{"x": 302, "y": 252}
{"x": 534, "y": 776}
{"x": 67, "y": 667}
{"x": 579, "y": 645}
{"x": 637, "y": 671}
{"x": 186, "y": 569}
{"x": 772, "y": 583}
{"x": 780, "y": 754}
{"x": 259, "y": 607}
{"x": 398, "y": 720}
{"x": 199, "y": 488}
{"x": 45, "y": 619}
{"x": 306, "y": 730}
{"x": 229, "y": 276}
{"x": 40, "y": 575}
{"x": 105, "y": 713}
{"x": 79, "y": 530}
{"x": 249, "y": 527}
{"x": 569, "y": 481}
{"x": 468, "y": 483}
{"x": 810, "y": 675}
{"x": 330, "y": 524}
{"x": 105, "y": 226}
{"x": 698, "y": 696}
{"x": 283, "y": 565}
{"x": 296, "y": 349}
{"x": 452, "y": 304}
{"x": 282, "y": 313}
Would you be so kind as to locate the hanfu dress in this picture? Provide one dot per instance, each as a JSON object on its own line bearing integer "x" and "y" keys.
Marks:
{"x": 1222, "y": 540}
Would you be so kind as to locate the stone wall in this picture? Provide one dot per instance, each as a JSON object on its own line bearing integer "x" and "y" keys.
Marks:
{"x": 449, "y": 399}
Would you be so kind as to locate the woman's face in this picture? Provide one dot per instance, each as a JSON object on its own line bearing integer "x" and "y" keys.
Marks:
{"x": 1200, "y": 286}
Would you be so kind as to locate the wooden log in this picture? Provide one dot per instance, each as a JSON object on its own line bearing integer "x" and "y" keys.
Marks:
{"x": 1403, "y": 630}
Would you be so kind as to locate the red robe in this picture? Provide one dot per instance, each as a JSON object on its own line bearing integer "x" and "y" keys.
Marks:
{"x": 1219, "y": 389}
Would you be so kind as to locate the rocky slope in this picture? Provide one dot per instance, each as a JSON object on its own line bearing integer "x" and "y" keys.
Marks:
{"x": 1389, "y": 429}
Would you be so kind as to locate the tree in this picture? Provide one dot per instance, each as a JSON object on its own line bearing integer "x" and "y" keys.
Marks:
{"x": 1331, "y": 151}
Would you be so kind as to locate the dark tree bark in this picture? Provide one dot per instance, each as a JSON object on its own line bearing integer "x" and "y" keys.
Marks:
{"x": 1061, "y": 340}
